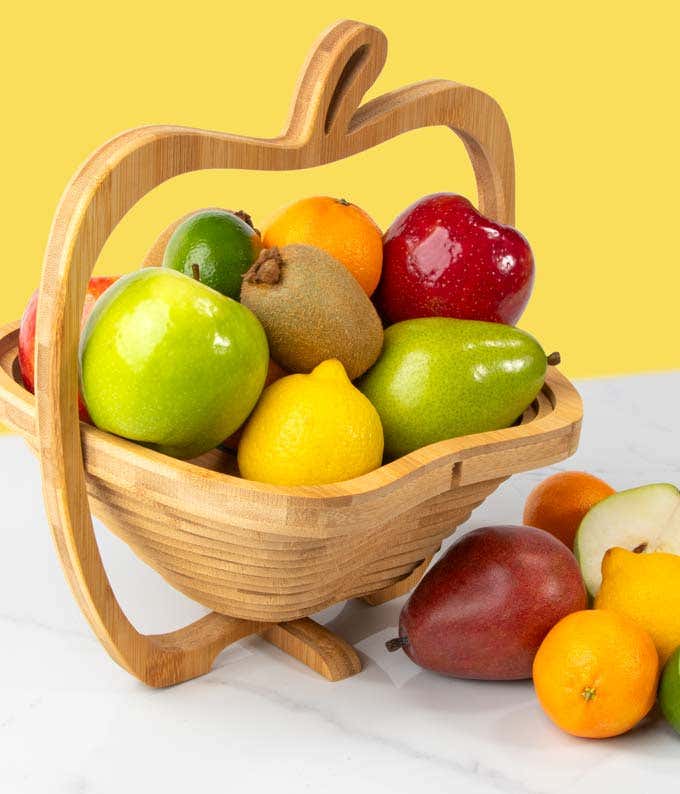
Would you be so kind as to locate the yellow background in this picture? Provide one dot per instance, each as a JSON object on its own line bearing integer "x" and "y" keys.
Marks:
{"x": 590, "y": 91}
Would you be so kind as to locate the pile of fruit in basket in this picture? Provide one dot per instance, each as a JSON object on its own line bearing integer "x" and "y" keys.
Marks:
{"x": 320, "y": 349}
{"x": 511, "y": 602}
{"x": 317, "y": 349}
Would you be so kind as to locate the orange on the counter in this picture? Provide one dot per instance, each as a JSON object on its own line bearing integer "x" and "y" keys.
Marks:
{"x": 342, "y": 229}
{"x": 559, "y": 503}
{"x": 596, "y": 673}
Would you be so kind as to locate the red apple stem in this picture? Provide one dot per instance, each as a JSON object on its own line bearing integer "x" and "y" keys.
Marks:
{"x": 554, "y": 359}
{"x": 196, "y": 271}
{"x": 396, "y": 643}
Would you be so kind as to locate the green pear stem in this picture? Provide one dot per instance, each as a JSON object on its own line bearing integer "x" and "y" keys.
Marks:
{"x": 196, "y": 271}
{"x": 554, "y": 359}
{"x": 396, "y": 643}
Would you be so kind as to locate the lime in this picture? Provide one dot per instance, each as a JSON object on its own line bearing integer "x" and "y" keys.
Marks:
{"x": 216, "y": 245}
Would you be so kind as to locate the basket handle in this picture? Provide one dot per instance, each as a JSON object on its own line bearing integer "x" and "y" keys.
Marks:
{"x": 326, "y": 124}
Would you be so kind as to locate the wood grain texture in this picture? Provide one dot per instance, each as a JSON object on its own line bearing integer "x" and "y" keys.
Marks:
{"x": 317, "y": 647}
{"x": 400, "y": 587}
{"x": 258, "y": 553}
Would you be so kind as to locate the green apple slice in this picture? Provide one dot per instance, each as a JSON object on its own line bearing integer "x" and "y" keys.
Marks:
{"x": 641, "y": 519}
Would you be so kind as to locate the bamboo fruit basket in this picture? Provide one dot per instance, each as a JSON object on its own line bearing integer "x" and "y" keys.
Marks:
{"x": 262, "y": 558}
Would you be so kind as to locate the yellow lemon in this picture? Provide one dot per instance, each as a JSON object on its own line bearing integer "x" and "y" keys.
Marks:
{"x": 311, "y": 429}
{"x": 646, "y": 588}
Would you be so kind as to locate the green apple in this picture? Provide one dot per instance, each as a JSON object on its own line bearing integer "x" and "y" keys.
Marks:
{"x": 170, "y": 362}
{"x": 669, "y": 690}
{"x": 643, "y": 519}
{"x": 439, "y": 378}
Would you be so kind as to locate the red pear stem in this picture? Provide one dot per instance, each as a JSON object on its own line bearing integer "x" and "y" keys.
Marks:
{"x": 554, "y": 359}
{"x": 196, "y": 271}
{"x": 396, "y": 643}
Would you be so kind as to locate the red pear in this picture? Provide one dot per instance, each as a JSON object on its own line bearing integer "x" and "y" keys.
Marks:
{"x": 483, "y": 610}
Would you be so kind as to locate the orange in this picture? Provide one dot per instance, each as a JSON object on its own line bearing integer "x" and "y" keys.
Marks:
{"x": 560, "y": 502}
{"x": 346, "y": 232}
{"x": 596, "y": 673}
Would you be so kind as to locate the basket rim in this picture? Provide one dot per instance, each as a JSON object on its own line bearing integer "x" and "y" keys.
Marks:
{"x": 563, "y": 397}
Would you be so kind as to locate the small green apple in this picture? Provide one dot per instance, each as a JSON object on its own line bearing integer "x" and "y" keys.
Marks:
{"x": 643, "y": 519}
{"x": 170, "y": 362}
{"x": 669, "y": 690}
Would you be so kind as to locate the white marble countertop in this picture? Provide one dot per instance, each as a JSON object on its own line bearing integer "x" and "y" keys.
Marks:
{"x": 72, "y": 722}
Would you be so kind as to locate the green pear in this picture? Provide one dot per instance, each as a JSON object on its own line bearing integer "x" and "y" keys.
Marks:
{"x": 643, "y": 519}
{"x": 170, "y": 362}
{"x": 439, "y": 378}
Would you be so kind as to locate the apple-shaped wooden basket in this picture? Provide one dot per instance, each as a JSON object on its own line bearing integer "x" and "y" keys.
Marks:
{"x": 263, "y": 558}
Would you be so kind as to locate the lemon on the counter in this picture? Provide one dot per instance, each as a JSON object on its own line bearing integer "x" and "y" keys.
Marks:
{"x": 310, "y": 430}
{"x": 646, "y": 588}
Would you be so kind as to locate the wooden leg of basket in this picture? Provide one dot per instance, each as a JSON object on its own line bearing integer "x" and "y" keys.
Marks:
{"x": 400, "y": 588}
{"x": 190, "y": 652}
{"x": 178, "y": 656}
{"x": 315, "y": 646}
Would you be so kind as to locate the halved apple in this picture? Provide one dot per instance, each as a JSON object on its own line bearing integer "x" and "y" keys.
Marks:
{"x": 641, "y": 519}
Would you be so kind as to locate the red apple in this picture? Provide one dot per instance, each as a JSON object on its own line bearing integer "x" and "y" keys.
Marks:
{"x": 95, "y": 288}
{"x": 442, "y": 258}
{"x": 483, "y": 610}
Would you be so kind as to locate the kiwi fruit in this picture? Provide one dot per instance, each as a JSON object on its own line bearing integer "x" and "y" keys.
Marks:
{"x": 312, "y": 309}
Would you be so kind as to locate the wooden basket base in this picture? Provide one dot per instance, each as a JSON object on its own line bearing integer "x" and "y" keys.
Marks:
{"x": 194, "y": 648}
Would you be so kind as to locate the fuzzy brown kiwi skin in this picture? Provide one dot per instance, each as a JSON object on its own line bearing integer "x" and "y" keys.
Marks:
{"x": 312, "y": 309}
